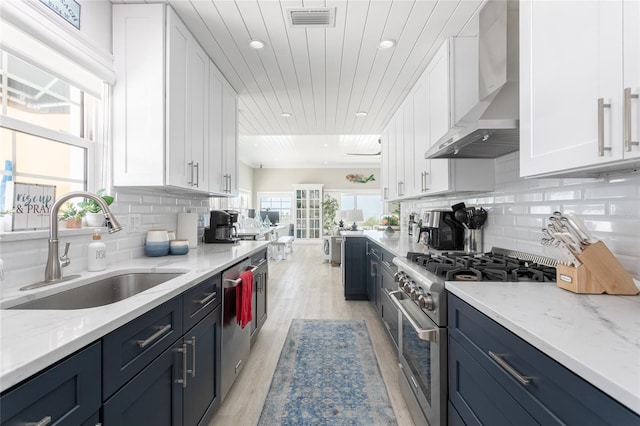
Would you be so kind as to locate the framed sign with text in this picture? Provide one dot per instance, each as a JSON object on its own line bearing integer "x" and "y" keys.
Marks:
{"x": 69, "y": 10}
{"x": 31, "y": 205}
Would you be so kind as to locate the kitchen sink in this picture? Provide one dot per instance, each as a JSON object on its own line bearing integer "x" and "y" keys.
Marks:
{"x": 101, "y": 292}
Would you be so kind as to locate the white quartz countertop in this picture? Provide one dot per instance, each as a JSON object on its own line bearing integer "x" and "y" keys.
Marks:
{"x": 399, "y": 243}
{"x": 31, "y": 340}
{"x": 595, "y": 336}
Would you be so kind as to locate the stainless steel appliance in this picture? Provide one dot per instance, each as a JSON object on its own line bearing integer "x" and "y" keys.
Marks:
{"x": 421, "y": 300}
{"x": 222, "y": 227}
{"x": 235, "y": 340}
{"x": 441, "y": 230}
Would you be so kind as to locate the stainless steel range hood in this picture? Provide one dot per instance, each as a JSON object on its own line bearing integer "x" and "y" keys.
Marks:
{"x": 490, "y": 129}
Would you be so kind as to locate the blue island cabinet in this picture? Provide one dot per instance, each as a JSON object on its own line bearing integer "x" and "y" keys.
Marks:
{"x": 354, "y": 268}
{"x": 66, "y": 394}
{"x": 497, "y": 378}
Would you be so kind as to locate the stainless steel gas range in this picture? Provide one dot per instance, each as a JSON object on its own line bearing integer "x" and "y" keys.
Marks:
{"x": 421, "y": 300}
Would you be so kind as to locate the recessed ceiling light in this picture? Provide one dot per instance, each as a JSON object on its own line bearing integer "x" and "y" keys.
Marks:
{"x": 326, "y": 144}
{"x": 361, "y": 114}
{"x": 386, "y": 44}
{"x": 255, "y": 144}
{"x": 256, "y": 44}
{"x": 286, "y": 114}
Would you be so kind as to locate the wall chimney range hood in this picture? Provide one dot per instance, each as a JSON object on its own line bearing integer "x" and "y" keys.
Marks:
{"x": 491, "y": 128}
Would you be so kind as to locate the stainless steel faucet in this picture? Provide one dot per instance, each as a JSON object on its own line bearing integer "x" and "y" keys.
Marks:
{"x": 53, "y": 270}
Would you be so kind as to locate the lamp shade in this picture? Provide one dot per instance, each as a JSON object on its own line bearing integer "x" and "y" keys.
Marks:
{"x": 341, "y": 215}
{"x": 355, "y": 215}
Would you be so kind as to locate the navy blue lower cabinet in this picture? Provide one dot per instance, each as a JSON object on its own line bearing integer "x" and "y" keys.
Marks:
{"x": 490, "y": 368}
{"x": 154, "y": 396}
{"x": 374, "y": 276}
{"x": 69, "y": 393}
{"x": 354, "y": 272}
{"x": 202, "y": 394}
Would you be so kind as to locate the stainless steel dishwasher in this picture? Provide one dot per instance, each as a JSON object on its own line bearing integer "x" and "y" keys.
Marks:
{"x": 235, "y": 340}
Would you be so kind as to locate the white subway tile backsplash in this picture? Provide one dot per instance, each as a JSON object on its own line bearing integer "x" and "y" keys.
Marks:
{"x": 563, "y": 195}
{"x": 519, "y": 208}
{"x": 611, "y": 191}
{"x": 584, "y": 209}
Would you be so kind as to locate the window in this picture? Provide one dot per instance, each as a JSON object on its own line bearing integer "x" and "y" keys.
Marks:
{"x": 280, "y": 202}
{"x": 48, "y": 128}
{"x": 369, "y": 203}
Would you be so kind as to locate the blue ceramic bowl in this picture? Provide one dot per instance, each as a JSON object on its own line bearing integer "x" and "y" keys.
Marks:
{"x": 179, "y": 247}
{"x": 154, "y": 249}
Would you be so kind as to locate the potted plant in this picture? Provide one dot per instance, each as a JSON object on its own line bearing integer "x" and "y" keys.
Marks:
{"x": 329, "y": 210}
{"x": 94, "y": 215}
{"x": 71, "y": 214}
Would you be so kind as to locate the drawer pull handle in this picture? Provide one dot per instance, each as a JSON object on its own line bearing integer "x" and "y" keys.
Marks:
{"x": 45, "y": 421}
{"x": 155, "y": 336}
{"x": 519, "y": 377}
{"x": 183, "y": 351}
{"x": 601, "y": 107}
{"x": 192, "y": 342}
{"x": 207, "y": 298}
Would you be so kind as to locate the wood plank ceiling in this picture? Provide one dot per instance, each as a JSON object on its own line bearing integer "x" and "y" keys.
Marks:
{"x": 322, "y": 76}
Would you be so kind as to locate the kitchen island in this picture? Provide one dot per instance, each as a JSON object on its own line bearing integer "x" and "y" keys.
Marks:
{"x": 32, "y": 340}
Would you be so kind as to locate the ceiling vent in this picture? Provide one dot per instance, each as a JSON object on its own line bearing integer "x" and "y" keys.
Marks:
{"x": 312, "y": 17}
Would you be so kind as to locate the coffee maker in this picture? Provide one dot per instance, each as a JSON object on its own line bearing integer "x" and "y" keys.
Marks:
{"x": 441, "y": 231}
{"x": 222, "y": 228}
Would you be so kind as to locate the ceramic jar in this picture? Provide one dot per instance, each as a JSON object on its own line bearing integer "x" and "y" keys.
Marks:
{"x": 157, "y": 242}
{"x": 179, "y": 247}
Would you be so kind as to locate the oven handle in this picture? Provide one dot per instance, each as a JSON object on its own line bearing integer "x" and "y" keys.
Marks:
{"x": 428, "y": 334}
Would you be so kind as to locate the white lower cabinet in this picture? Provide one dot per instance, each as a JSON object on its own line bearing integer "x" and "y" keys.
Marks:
{"x": 580, "y": 79}
{"x": 164, "y": 106}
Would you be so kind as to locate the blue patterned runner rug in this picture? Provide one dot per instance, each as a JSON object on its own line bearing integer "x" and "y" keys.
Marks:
{"x": 327, "y": 374}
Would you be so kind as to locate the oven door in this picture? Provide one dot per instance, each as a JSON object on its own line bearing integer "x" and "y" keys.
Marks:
{"x": 423, "y": 361}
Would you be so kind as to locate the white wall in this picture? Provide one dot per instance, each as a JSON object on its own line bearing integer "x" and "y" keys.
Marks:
{"x": 519, "y": 208}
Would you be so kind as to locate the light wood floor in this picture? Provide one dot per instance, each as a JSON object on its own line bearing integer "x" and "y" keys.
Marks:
{"x": 302, "y": 286}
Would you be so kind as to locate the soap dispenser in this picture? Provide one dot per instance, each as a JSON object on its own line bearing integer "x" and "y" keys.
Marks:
{"x": 97, "y": 253}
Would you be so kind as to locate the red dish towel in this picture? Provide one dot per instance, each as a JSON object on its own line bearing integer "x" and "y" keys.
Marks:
{"x": 243, "y": 299}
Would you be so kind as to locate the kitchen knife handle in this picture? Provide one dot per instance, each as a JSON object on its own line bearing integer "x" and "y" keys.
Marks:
{"x": 601, "y": 147}
{"x": 628, "y": 143}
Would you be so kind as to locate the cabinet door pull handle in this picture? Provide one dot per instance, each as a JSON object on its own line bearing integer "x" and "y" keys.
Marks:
{"x": 601, "y": 147}
{"x": 628, "y": 143}
{"x": 499, "y": 358}
{"x": 183, "y": 380}
{"x": 190, "y": 164}
{"x": 197, "y": 167}
{"x": 155, "y": 336}
{"x": 207, "y": 298}
{"x": 192, "y": 342}
{"x": 45, "y": 421}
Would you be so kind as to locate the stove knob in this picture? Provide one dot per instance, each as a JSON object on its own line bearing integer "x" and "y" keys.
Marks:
{"x": 398, "y": 276}
{"x": 426, "y": 302}
{"x": 407, "y": 285}
{"x": 416, "y": 292}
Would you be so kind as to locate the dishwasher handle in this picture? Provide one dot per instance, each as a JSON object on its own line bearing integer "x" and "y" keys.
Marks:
{"x": 229, "y": 283}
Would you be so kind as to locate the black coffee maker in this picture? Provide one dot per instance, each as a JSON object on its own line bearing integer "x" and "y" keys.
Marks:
{"x": 222, "y": 228}
{"x": 441, "y": 231}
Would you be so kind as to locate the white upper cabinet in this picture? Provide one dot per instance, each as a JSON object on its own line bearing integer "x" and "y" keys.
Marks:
{"x": 438, "y": 106}
{"x": 574, "y": 73}
{"x": 230, "y": 140}
{"x": 165, "y": 107}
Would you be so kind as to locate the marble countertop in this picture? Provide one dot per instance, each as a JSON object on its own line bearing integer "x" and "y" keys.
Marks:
{"x": 398, "y": 243}
{"x": 595, "y": 336}
{"x": 31, "y": 340}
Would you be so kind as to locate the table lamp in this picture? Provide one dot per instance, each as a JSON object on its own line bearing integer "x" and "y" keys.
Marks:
{"x": 354, "y": 216}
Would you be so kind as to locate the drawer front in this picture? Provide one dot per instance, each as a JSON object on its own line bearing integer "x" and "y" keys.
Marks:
{"x": 387, "y": 258}
{"x": 478, "y": 398}
{"x": 133, "y": 346}
{"x": 198, "y": 301}
{"x": 389, "y": 316}
{"x": 554, "y": 393}
{"x": 68, "y": 393}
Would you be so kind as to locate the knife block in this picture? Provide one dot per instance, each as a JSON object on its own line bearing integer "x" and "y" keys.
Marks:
{"x": 600, "y": 270}
{"x": 577, "y": 280}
